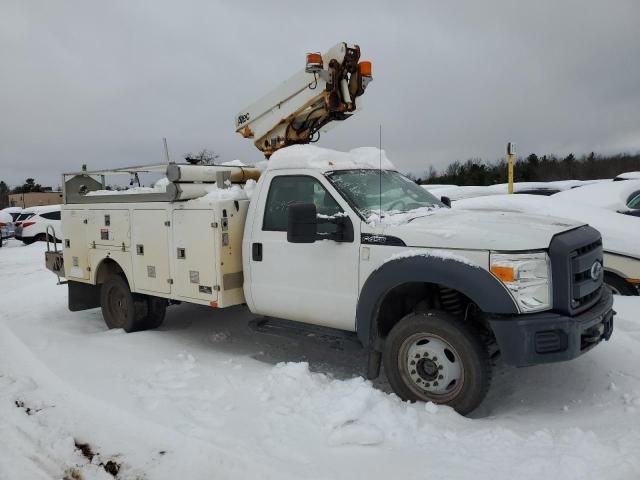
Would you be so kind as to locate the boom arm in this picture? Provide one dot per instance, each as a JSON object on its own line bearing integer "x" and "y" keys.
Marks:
{"x": 324, "y": 92}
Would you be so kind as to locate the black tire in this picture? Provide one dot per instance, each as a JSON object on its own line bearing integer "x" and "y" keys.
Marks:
{"x": 618, "y": 285}
{"x": 461, "y": 376}
{"x": 120, "y": 307}
{"x": 156, "y": 308}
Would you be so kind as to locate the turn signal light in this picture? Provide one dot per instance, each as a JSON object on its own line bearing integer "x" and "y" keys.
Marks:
{"x": 506, "y": 274}
{"x": 27, "y": 224}
{"x": 314, "y": 62}
{"x": 365, "y": 69}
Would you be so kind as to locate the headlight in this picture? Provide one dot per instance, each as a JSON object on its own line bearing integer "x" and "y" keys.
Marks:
{"x": 527, "y": 276}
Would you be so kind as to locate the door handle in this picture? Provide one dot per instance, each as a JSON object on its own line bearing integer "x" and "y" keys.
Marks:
{"x": 256, "y": 252}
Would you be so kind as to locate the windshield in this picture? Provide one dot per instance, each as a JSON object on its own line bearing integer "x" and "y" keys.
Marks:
{"x": 361, "y": 188}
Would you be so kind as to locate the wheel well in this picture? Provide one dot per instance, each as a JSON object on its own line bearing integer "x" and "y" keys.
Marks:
{"x": 416, "y": 296}
{"x": 107, "y": 268}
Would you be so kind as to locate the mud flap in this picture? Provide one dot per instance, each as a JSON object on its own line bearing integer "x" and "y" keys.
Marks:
{"x": 83, "y": 296}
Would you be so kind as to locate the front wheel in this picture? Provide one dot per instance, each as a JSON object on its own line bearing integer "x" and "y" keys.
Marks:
{"x": 433, "y": 356}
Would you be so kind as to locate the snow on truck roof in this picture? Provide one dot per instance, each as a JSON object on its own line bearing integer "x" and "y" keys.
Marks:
{"x": 325, "y": 159}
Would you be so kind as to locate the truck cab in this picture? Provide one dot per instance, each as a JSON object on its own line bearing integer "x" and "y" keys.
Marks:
{"x": 347, "y": 245}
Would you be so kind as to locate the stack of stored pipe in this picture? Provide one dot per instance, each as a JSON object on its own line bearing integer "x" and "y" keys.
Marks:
{"x": 191, "y": 181}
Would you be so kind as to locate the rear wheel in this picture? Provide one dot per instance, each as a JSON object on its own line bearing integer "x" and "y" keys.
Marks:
{"x": 433, "y": 356}
{"x": 157, "y": 308}
{"x": 120, "y": 307}
{"x": 618, "y": 285}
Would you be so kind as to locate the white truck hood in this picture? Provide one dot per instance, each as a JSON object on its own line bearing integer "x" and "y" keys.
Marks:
{"x": 474, "y": 230}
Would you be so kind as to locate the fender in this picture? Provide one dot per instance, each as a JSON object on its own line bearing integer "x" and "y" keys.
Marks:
{"x": 474, "y": 282}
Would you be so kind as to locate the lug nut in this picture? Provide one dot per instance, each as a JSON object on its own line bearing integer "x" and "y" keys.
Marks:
{"x": 435, "y": 384}
{"x": 412, "y": 362}
{"x": 417, "y": 355}
{"x": 440, "y": 367}
{"x": 440, "y": 377}
{"x": 435, "y": 359}
{"x": 427, "y": 384}
{"x": 413, "y": 372}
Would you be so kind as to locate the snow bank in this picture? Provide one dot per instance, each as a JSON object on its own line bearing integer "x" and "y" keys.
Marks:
{"x": 311, "y": 156}
{"x": 186, "y": 401}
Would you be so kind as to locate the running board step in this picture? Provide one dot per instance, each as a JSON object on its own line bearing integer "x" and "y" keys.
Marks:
{"x": 335, "y": 338}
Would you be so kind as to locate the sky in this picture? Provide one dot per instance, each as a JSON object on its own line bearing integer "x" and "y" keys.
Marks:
{"x": 102, "y": 82}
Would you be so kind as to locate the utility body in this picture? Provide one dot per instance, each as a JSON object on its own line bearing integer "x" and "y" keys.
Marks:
{"x": 344, "y": 242}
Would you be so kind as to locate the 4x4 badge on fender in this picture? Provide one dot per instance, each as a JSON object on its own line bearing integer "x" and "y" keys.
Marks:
{"x": 596, "y": 271}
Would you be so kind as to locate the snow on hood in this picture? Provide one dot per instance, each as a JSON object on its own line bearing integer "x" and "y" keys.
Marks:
{"x": 619, "y": 232}
{"x": 324, "y": 159}
{"x": 456, "y": 228}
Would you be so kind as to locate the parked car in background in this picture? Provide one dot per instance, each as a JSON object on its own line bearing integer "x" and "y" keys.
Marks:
{"x": 31, "y": 225}
{"x": 633, "y": 205}
{"x": 13, "y": 211}
{"x": 613, "y": 196}
{"x": 6, "y": 227}
{"x": 627, "y": 176}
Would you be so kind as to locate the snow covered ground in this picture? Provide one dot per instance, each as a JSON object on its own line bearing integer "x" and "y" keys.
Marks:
{"x": 203, "y": 397}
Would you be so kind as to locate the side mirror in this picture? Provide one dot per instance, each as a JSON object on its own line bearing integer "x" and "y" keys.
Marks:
{"x": 446, "y": 201}
{"x": 302, "y": 226}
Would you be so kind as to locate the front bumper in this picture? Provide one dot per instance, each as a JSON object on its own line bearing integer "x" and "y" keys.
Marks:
{"x": 552, "y": 337}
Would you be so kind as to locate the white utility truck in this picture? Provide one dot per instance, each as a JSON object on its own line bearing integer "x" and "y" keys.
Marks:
{"x": 340, "y": 242}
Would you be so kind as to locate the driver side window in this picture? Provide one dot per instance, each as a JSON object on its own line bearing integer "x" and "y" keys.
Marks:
{"x": 286, "y": 190}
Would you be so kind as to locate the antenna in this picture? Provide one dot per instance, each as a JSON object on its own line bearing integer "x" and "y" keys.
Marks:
{"x": 166, "y": 149}
{"x": 380, "y": 168}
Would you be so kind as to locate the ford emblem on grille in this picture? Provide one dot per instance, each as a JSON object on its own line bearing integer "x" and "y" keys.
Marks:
{"x": 596, "y": 271}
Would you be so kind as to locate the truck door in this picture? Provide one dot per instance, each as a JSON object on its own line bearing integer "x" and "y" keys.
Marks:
{"x": 314, "y": 282}
{"x": 151, "y": 244}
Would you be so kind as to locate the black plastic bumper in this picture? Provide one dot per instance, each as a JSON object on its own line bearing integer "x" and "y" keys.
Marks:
{"x": 551, "y": 337}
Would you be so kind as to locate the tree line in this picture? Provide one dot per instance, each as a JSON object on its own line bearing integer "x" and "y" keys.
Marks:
{"x": 532, "y": 168}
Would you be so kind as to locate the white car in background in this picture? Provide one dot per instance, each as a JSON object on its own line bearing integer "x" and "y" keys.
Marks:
{"x": 31, "y": 225}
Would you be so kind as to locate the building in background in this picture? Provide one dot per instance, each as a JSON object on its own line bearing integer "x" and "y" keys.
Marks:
{"x": 34, "y": 199}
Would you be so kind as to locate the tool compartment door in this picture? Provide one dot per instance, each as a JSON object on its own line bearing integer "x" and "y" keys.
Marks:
{"x": 149, "y": 247}
{"x": 75, "y": 244}
{"x": 195, "y": 254}
{"x": 109, "y": 228}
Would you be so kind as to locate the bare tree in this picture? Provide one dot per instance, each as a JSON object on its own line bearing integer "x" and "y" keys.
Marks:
{"x": 204, "y": 157}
